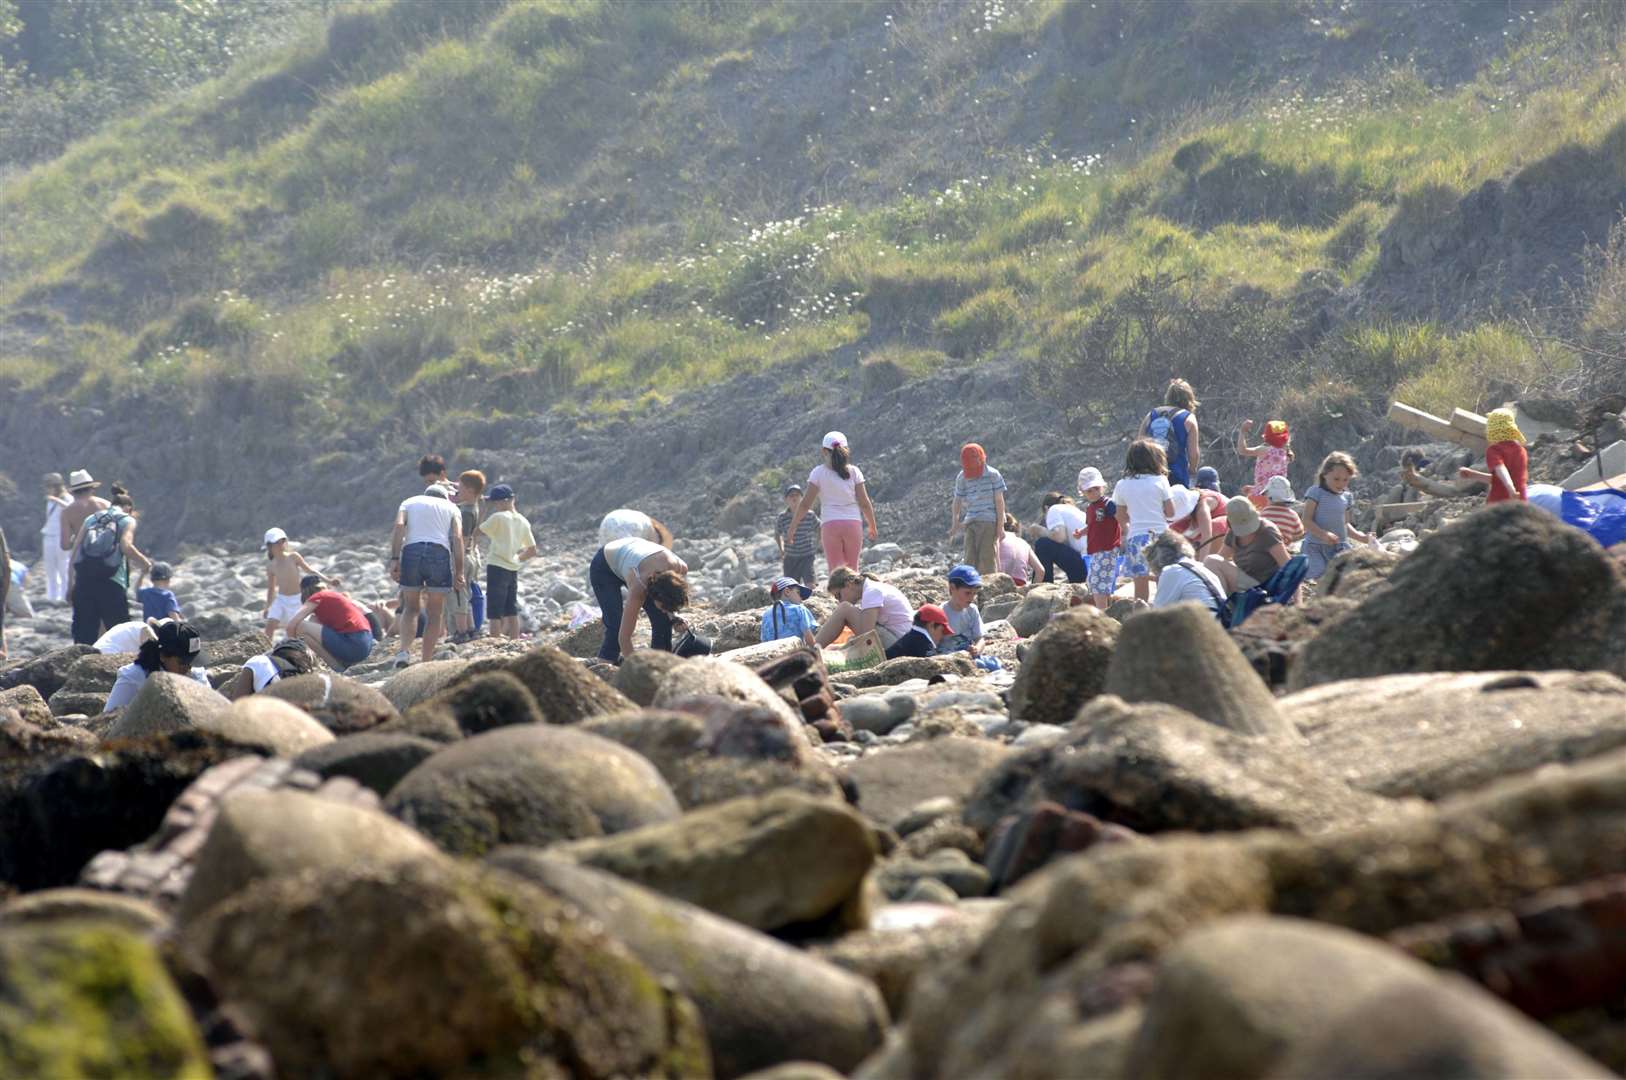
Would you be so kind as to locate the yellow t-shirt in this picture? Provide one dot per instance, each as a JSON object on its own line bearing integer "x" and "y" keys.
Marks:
{"x": 510, "y": 534}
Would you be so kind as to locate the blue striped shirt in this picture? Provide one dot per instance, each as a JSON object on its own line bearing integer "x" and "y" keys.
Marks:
{"x": 978, "y": 494}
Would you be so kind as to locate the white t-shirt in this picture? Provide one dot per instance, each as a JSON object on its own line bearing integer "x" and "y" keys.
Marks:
{"x": 132, "y": 677}
{"x": 1181, "y": 584}
{"x": 1144, "y": 497}
{"x": 838, "y": 498}
{"x": 429, "y": 520}
{"x": 125, "y": 637}
{"x": 620, "y": 524}
{"x": 1072, "y": 519}
{"x": 896, "y": 614}
{"x": 265, "y": 672}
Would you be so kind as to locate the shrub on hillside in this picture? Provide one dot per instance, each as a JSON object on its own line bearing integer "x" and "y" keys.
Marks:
{"x": 891, "y": 368}
{"x": 977, "y": 325}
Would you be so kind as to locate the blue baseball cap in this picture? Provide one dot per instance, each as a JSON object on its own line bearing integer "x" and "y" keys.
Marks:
{"x": 965, "y": 575}
{"x": 499, "y": 492}
{"x": 1208, "y": 478}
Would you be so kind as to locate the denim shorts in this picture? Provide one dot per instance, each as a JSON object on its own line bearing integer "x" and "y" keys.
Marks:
{"x": 426, "y": 566}
{"x": 347, "y": 648}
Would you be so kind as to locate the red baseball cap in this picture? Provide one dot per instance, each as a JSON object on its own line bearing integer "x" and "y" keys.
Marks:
{"x": 931, "y": 613}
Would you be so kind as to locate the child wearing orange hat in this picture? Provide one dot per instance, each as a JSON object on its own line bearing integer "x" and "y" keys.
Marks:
{"x": 1271, "y": 457}
{"x": 978, "y": 508}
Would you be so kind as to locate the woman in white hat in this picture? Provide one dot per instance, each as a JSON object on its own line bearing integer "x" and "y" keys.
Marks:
{"x": 837, "y": 486}
{"x": 1253, "y": 548}
{"x": 56, "y": 560}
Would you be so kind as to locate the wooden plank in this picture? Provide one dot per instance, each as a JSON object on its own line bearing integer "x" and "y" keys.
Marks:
{"x": 1394, "y": 511}
{"x": 1433, "y": 426}
{"x": 1472, "y": 423}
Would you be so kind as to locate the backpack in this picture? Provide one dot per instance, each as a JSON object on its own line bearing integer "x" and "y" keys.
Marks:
{"x": 99, "y": 553}
{"x": 1166, "y": 426}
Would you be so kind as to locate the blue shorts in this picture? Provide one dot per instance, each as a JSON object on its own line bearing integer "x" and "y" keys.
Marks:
{"x": 1135, "y": 554}
{"x": 1104, "y": 572}
{"x": 426, "y": 566}
{"x": 347, "y": 648}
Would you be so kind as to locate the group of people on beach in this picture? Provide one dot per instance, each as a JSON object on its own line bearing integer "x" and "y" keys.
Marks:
{"x": 1164, "y": 519}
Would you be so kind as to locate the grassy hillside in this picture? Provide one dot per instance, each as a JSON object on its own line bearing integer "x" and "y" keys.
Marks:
{"x": 499, "y": 208}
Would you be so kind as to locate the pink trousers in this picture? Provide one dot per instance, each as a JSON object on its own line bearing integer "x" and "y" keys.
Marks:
{"x": 842, "y": 542}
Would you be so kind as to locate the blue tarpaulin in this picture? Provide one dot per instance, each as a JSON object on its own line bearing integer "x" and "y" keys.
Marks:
{"x": 1601, "y": 514}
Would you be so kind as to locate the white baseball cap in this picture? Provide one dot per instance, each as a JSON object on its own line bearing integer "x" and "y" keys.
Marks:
{"x": 1090, "y": 477}
{"x": 273, "y": 535}
{"x": 833, "y": 439}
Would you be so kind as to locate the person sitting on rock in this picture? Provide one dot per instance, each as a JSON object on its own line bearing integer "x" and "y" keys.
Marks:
{"x": 285, "y": 660}
{"x": 1016, "y": 556}
{"x": 1505, "y": 457}
{"x": 1179, "y": 576}
{"x": 1279, "y": 511}
{"x": 1253, "y": 549}
{"x": 965, "y": 620}
{"x": 1328, "y": 507}
{"x": 787, "y": 618}
{"x": 167, "y": 645}
{"x": 655, "y": 581}
{"x": 926, "y": 633}
{"x": 866, "y": 603}
{"x": 333, "y": 625}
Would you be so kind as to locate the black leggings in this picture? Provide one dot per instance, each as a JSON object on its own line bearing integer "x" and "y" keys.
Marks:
{"x": 97, "y": 606}
{"x": 607, "y": 590}
{"x": 1052, "y": 555}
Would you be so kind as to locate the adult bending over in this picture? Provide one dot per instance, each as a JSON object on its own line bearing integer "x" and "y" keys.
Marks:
{"x": 170, "y": 645}
{"x": 1064, "y": 539}
{"x": 837, "y": 486}
{"x": 333, "y": 625}
{"x": 622, "y": 523}
{"x": 1180, "y": 578}
{"x": 426, "y": 553}
{"x": 1253, "y": 549}
{"x": 866, "y": 603}
{"x": 656, "y": 583}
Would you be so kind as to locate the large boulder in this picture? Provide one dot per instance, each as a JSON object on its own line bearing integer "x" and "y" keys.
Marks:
{"x": 640, "y": 675}
{"x": 905, "y": 668}
{"x": 91, "y": 999}
{"x": 1445, "y": 1028}
{"x": 565, "y": 691}
{"x": 47, "y": 674}
{"x": 264, "y": 834}
{"x": 236, "y": 651}
{"x": 762, "y": 1002}
{"x": 1509, "y": 587}
{"x": 27, "y": 703}
{"x": 56, "y": 817}
{"x": 1439, "y": 734}
{"x": 767, "y": 862}
{"x": 420, "y": 681}
{"x": 473, "y": 704}
{"x": 428, "y": 968}
{"x": 531, "y": 784}
{"x": 1065, "y": 666}
{"x": 1155, "y": 768}
{"x": 1181, "y": 656}
{"x": 167, "y": 704}
{"x": 730, "y": 632}
{"x": 729, "y": 753}
{"x": 340, "y": 704}
{"x": 891, "y": 782}
{"x": 96, "y": 673}
{"x": 714, "y": 677}
{"x": 376, "y": 761}
{"x": 271, "y": 724}
{"x": 1240, "y": 995}
{"x": 1041, "y": 603}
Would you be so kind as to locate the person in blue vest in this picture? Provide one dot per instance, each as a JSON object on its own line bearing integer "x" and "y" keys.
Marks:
{"x": 1173, "y": 426}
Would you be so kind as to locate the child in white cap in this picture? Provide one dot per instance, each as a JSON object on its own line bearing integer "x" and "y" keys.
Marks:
{"x": 282, "y": 581}
{"x": 837, "y": 486}
{"x": 1105, "y": 535}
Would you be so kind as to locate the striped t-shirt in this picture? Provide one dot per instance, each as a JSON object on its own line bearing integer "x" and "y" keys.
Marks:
{"x": 1286, "y": 520}
{"x": 978, "y": 494}
{"x": 802, "y": 543}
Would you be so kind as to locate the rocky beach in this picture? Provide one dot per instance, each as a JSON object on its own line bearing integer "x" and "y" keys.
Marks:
{"x": 1142, "y": 845}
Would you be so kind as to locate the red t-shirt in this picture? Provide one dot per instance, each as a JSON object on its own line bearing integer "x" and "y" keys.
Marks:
{"x": 339, "y": 613}
{"x": 1102, "y": 533}
{"x": 1512, "y": 454}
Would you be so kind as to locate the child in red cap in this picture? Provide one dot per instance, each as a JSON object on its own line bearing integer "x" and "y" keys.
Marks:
{"x": 930, "y": 628}
{"x": 1271, "y": 458}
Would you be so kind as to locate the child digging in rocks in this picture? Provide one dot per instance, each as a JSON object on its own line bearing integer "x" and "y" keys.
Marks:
{"x": 964, "y": 619}
{"x": 512, "y": 543}
{"x": 287, "y": 566}
{"x": 1145, "y": 506}
{"x": 1326, "y": 514}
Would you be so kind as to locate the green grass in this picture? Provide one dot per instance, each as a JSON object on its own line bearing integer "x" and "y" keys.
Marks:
{"x": 532, "y": 203}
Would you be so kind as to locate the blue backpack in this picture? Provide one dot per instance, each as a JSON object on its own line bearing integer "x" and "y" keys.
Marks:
{"x": 1166, "y": 426}
{"x": 1280, "y": 589}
